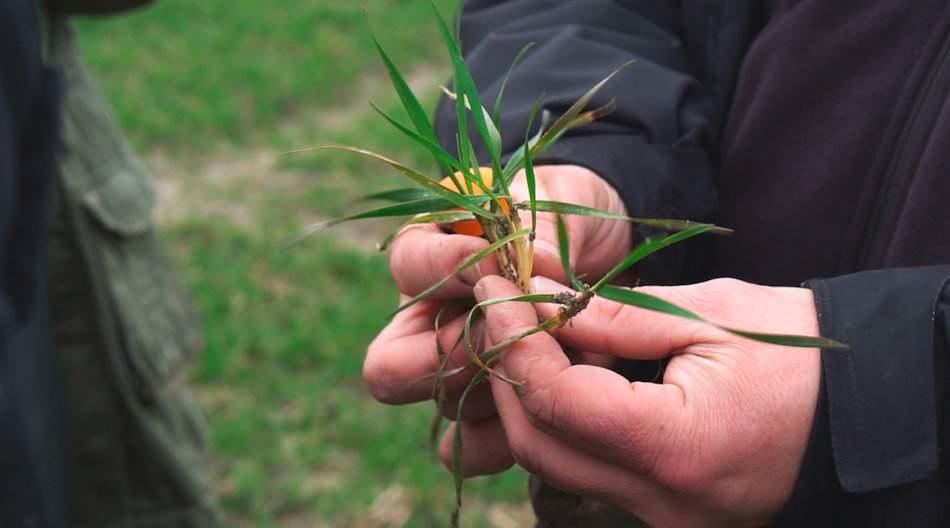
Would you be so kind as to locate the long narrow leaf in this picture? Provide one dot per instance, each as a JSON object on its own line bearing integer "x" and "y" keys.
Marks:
{"x": 579, "y": 105}
{"x": 474, "y": 259}
{"x": 590, "y": 116}
{"x": 473, "y": 349}
{"x": 477, "y": 310}
{"x": 441, "y": 217}
{"x": 570, "y": 119}
{"x": 460, "y": 200}
{"x": 665, "y": 224}
{"x": 527, "y": 297}
{"x": 441, "y": 155}
{"x": 516, "y": 161}
{"x": 529, "y": 171}
{"x": 457, "y": 446}
{"x": 647, "y": 248}
{"x": 417, "y": 114}
{"x": 496, "y": 111}
{"x": 470, "y": 169}
{"x": 438, "y": 387}
{"x": 406, "y": 194}
{"x": 564, "y": 246}
{"x": 468, "y": 92}
{"x": 425, "y": 205}
{"x": 653, "y": 303}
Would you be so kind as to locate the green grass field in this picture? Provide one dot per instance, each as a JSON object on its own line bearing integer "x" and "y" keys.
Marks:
{"x": 210, "y": 93}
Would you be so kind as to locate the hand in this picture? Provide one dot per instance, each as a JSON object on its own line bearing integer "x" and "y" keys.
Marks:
{"x": 421, "y": 255}
{"x": 719, "y": 442}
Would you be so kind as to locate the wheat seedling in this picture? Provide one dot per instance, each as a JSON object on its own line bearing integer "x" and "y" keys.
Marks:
{"x": 473, "y": 198}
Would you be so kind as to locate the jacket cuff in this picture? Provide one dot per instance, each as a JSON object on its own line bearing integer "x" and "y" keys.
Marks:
{"x": 654, "y": 181}
{"x": 876, "y": 421}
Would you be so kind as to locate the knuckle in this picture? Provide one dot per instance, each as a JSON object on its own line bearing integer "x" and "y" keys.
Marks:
{"x": 545, "y": 406}
{"x": 539, "y": 408}
{"x": 715, "y": 295}
{"x": 380, "y": 377}
{"x": 505, "y": 321}
{"x": 398, "y": 267}
{"x": 724, "y": 300}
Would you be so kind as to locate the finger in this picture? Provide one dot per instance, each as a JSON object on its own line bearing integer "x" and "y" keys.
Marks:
{"x": 562, "y": 465}
{"x": 401, "y": 359}
{"x": 596, "y": 245}
{"x": 592, "y": 407}
{"x": 484, "y": 447}
{"x": 423, "y": 255}
{"x": 612, "y": 328}
{"x": 479, "y": 404}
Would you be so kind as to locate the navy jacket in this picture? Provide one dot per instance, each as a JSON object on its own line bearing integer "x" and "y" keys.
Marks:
{"x": 31, "y": 470}
{"x": 819, "y": 131}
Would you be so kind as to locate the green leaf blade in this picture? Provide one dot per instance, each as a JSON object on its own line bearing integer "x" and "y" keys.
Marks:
{"x": 442, "y": 156}
{"x": 441, "y": 217}
{"x": 645, "y": 301}
{"x": 406, "y": 194}
{"x": 563, "y": 122}
{"x": 411, "y": 104}
{"x": 496, "y": 110}
{"x": 653, "y": 303}
{"x": 647, "y": 248}
{"x": 474, "y": 259}
{"x": 457, "y": 474}
{"x": 665, "y": 224}
{"x": 530, "y": 178}
{"x": 414, "y": 207}
{"x": 458, "y": 199}
{"x": 564, "y": 247}
{"x": 468, "y": 96}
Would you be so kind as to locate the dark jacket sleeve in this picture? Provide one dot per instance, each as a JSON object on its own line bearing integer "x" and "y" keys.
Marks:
{"x": 31, "y": 471}
{"x": 92, "y": 7}
{"x": 655, "y": 148}
{"x": 878, "y": 449}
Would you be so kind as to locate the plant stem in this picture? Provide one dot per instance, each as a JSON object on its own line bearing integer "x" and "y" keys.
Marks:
{"x": 494, "y": 231}
{"x": 572, "y": 303}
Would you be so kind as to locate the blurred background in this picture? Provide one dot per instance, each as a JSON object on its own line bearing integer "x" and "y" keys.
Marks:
{"x": 210, "y": 93}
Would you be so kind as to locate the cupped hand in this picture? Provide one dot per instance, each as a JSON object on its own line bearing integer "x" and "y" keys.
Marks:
{"x": 718, "y": 443}
{"x": 404, "y": 353}
{"x": 424, "y": 254}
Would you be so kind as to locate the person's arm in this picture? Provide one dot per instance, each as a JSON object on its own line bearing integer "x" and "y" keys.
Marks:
{"x": 738, "y": 432}
{"x": 31, "y": 449}
{"x": 92, "y": 7}
{"x": 656, "y": 148}
{"x": 881, "y": 426}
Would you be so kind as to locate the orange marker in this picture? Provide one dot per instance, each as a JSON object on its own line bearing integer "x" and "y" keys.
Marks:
{"x": 471, "y": 227}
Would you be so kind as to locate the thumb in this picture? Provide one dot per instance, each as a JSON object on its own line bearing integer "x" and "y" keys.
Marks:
{"x": 574, "y": 403}
{"x": 596, "y": 244}
{"x": 611, "y": 328}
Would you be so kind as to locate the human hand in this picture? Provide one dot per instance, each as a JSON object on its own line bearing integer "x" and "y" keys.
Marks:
{"x": 404, "y": 352}
{"x": 719, "y": 442}
{"x": 423, "y": 254}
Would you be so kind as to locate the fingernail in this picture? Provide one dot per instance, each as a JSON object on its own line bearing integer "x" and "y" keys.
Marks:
{"x": 545, "y": 285}
{"x": 480, "y": 293}
{"x": 546, "y": 247}
{"x": 471, "y": 276}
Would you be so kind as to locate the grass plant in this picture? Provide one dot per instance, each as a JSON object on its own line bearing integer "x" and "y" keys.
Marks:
{"x": 462, "y": 192}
